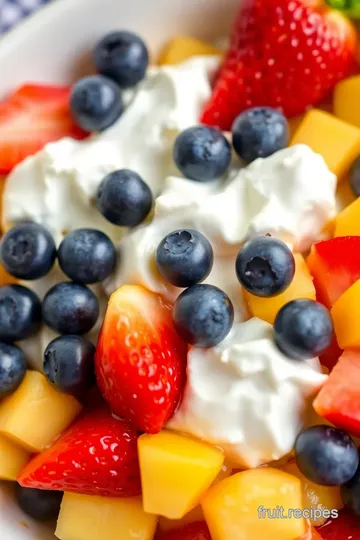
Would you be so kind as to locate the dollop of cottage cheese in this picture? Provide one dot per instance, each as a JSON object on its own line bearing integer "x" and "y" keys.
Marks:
{"x": 245, "y": 396}
{"x": 57, "y": 186}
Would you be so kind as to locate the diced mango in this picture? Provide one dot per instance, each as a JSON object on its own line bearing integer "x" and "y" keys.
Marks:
{"x": 294, "y": 124}
{"x": 346, "y": 317}
{"x": 12, "y": 459}
{"x": 347, "y": 222}
{"x": 316, "y": 497}
{"x": 234, "y": 507}
{"x": 5, "y": 277}
{"x": 196, "y": 514}
{"x": 35, "y": 414}
{"x": 175, "y": 472}
{"x": 346, "y": 100}
{"x": 182, "y": 48}
{"x": 85, "y": 517}
{"x": 301, "y": 287}
{"x": 338, "y": 142}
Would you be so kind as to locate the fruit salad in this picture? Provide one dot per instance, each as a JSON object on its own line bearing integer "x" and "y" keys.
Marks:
{"x": 180, "y": 286}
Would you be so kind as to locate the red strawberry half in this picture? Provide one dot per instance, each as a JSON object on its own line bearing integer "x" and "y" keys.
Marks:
{"x": 97, "y": 455}
{"x": 286, "y": 54}
{"x": 140, "y": 360}
{"x": 31, "y": 117}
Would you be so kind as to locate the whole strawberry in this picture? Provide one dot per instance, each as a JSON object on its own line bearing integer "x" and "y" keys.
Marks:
{"x": 140, "y": 360}
{"x": 287, "y": 54}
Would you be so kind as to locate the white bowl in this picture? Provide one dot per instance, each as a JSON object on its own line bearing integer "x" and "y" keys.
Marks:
{"x": 53, "y": 46}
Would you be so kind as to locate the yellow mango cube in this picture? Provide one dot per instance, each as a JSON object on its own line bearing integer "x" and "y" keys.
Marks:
{"x": 5, "y": 277}
{"x": 346, "y": 317}
{"x": 89, "y": 517}
{"x": 12, "y": 459}
{"x": 346, "y": 100}
{"x": 35, "y": 414}
{"x": 182, "y": 48}
{"x": 316, "y": 497}
{"x": 338, "y": 142}
{"x": 196, "y": 514}
{"x": 347, "y": 222}
{"x": 301, "y": 287}
{"x": 175, "y": 472}
{"x": 236, "y": 507}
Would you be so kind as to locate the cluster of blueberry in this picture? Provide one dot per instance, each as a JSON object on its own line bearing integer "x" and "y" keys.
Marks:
{"x": 203, "y": 314}
{"x": 121, "y": 60}
{"x": 86, "y": 256}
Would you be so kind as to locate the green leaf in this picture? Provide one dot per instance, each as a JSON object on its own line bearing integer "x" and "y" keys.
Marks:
{"x": 349, "y": 7}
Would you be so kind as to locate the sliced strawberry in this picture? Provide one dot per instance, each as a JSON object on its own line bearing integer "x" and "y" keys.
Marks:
{"x": 339, "y": 399}
{"x": 97, "y": 455}
{"x": 284, "y": 54}
{"x": 193, "y": 531}
{"x": 344, "y": 527}
{"x": 140, "y": 360}
{"x": 335, "y": 266}
{"x": 30, "y": 118}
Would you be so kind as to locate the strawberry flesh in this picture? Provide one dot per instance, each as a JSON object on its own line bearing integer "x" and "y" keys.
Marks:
{"x": 31, "y": 117}
{"x": 140, "y": 360}
{"x": 97, "y": 455}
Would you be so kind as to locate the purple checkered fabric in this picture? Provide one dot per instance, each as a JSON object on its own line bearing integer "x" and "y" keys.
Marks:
{"x": 12, "y": 11}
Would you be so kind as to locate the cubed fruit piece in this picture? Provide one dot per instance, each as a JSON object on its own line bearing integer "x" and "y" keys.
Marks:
{"x": 86, "y": 517}
{"x": 335, "y": 266}
{"x": 175, "y": 472}
{"x": 35, "y": 414}
{"x": 5, "y": 277}
{"x": 301, "y": 287}
{"x": 316, "y": 498}
{"x": 346, "y": 316}
{"x": 347, "y": 222}
{"x": 314, "y": 535}
{"x": 181, "y": 48}
{"x": 196, "y": 514}
{"x": 232, "y": 507}
{"x": 346, "y": 100}
{"x": 345, "y": 527}
{"x": 12, "y": 459}
{"x": 294, "y": 124}
{"x": 337, "y": 141}
{"x": 339, "y": 399}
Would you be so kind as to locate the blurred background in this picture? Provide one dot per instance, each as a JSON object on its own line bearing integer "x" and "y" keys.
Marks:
{"x": 13, "y": 11}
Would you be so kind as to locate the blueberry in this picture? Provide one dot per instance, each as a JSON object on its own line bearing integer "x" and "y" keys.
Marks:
{"x": 350, "y": 493}
{"x": 124, "y": 198}
{"x": 20, "y": 313}
{"x": 12, "y": 368}
{"x": 184, "y": 257}
{"x": 326, "y": 456}
{"x": 203, "y": 315}
{"x": 259, "y": 132}
{"x": 303, "y": 329}
{"x": 354, "y": 177}
{"x": 96, "y": 103}
{"x": 202, "y": 153}
{"x": 87, "y": 255}
{"x": 39, "y": 504}
{"x": 69, "y": 364}
{"x": 27, "y": 251}
{"x": 123, "y": 57}
{"x": 70, "y": 308}
{"x": 265, "y": 266}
